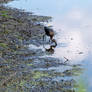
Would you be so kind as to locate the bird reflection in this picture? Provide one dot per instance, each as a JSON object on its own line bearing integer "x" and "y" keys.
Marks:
{"x": 52, "y": 47}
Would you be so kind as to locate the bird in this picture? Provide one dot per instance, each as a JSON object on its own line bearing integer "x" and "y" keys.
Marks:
{"x": 49, "y": 32}
{"x": 53, "y": 40}
{"x": 51, "y": 49}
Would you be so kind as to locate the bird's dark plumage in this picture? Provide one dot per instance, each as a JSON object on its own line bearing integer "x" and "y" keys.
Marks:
{"x": 49, "y": 32}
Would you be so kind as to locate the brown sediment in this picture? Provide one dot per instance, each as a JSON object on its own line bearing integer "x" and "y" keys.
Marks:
{"x": 17, "y": 28}
{"x": 5, "y": 1}
{"x": 20, "y": 66}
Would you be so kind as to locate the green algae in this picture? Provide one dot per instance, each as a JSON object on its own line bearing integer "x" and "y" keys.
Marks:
{"x": 4, "y": 45}
{"x": 82, "y": 85}
{"x": 3, "y": 12}
{"x": 22, "y": 83}
{"x": 6, "y": 16}
{"x": 38, "y": 74}
{"x": 29, "y": 64}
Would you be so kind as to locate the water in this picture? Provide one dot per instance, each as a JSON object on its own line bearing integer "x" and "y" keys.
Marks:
{"x": 72, "y": 22}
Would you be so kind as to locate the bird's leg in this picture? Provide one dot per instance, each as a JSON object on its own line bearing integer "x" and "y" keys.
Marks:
{"x": 44, "y": 39}
{"x": 50, "y": 40}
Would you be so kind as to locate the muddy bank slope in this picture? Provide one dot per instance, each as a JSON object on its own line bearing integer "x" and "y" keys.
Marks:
{"x": 5, "y": 1}
{"x": 18, "y": 28}
{"x": 29, "y": 70}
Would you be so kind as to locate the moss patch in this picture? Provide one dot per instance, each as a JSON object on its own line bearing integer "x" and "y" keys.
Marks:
{"x": 37, "y": 74}
{"x": 4, "y": 45}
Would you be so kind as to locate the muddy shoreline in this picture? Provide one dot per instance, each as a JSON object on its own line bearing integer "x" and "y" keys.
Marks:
{"x": 5, "y": 1}
{"x": 27, "y": 70}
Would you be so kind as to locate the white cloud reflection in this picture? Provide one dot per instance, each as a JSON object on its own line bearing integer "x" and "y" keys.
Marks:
{"x": 74, "y": 46}
{"x": 75, "y": 31}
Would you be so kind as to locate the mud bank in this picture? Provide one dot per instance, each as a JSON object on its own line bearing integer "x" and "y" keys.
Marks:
{"x": 29, "y": 70}
{"x": 5, "y": 1}
{"x": 18, "y": 28}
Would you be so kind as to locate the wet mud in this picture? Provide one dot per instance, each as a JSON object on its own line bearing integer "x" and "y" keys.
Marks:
{"x": 30, "y": 70}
